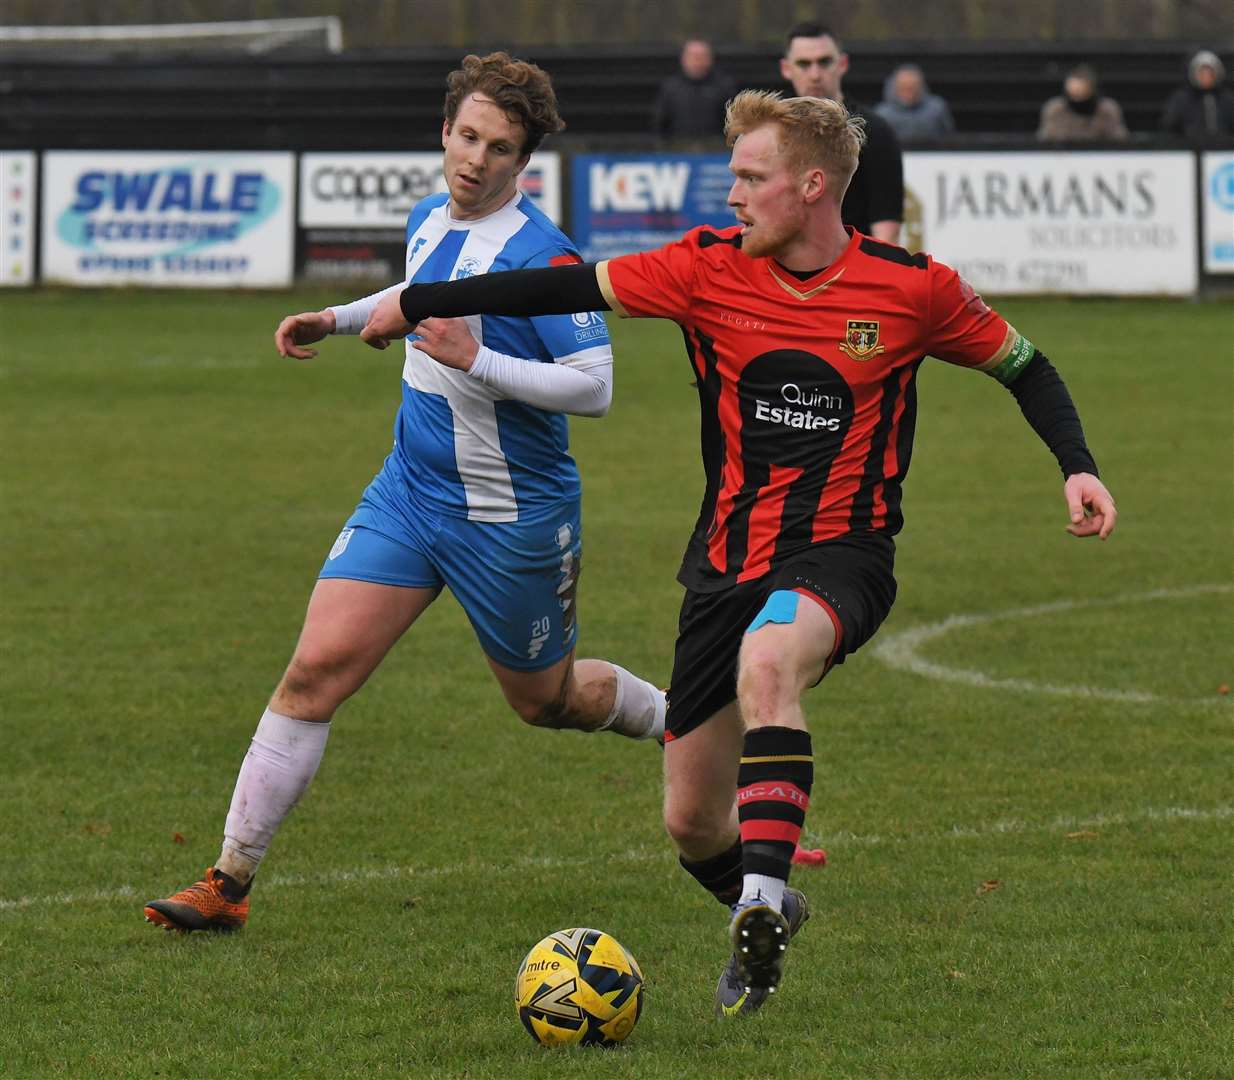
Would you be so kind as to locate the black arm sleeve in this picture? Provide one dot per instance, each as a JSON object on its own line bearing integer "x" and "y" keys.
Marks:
{"x": 555, "y": 290}
{"x": 1048, "y": 407}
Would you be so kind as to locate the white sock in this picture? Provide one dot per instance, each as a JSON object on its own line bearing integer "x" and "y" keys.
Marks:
{"x": 280, "y": 763}
{"x": 638, "y": 708}
{"x": 757, "y": 889}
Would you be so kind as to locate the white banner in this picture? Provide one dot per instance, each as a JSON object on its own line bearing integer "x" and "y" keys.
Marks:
{"x": 378, "y": 190}
{"x": 18, "y": 183}
{"x": 1218, "y": 209}
{"x": 1074, "y": 223}
{"x": 167, "y": 218}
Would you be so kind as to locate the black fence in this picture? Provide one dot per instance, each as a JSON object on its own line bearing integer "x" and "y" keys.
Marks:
{"x": 386, "y": 99}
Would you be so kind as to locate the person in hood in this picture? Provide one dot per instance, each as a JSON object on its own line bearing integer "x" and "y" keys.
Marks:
{"x": 1080, "y": 112}
{"x": 910, "y": 108}
{"x": 1204, "y": 106}
{"x": 691, "y": 102}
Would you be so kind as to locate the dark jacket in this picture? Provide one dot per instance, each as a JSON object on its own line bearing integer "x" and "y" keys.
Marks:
{"x": 1194, "y": 112}
{"x": 1191, "y": 111}
{"x": 876, "y": 192}
{"x": 692, "y": 108}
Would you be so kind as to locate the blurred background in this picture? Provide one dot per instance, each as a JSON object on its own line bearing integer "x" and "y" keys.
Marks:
{"x": 315, "y": 76}
{"x": 994, "y": 61}
{"x": 453, "y": 23}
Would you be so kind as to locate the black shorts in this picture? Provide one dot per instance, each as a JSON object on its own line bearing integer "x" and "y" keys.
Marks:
{"x": 852, "y": 577}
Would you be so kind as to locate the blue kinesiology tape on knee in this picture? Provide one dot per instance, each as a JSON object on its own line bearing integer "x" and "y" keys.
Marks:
{"x": 781, "y": 607}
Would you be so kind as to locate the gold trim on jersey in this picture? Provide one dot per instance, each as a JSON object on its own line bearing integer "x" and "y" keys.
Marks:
{"x": 606, "y": 290}
{"x": 1003, "y": 351}
{"x": 797, "y": 292}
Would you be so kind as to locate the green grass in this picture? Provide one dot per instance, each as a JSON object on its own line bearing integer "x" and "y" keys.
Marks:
{"x": 170, "y": 488}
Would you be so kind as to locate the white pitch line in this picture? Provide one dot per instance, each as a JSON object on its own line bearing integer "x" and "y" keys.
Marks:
{"x": 834, "y": 840}
{"x": 900, "y": 650}
{"x": 1016, "y": 826}
{"x": 124, "y": 892}
{"x": 368, "y": 873}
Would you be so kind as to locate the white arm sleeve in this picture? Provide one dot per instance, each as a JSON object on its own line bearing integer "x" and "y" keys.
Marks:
{"x": 350, "y": 318}
{"x": 581, "y": 383}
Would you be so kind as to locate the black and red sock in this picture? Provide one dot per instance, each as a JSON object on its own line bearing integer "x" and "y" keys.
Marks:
{"x": 773, "y": 794}
{"x": 720, "y": 875}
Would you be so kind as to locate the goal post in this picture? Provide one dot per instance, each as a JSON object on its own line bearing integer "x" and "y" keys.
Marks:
{"x": 250, "y": 35}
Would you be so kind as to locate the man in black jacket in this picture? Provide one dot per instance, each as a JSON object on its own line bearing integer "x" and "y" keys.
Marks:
{"x": 1204, "y": 106}
{"x": 815, "y": 63}
{"x": 691, "y": 103}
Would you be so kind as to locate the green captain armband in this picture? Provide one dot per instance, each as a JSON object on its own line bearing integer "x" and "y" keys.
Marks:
{"x": 1009, "y": 368}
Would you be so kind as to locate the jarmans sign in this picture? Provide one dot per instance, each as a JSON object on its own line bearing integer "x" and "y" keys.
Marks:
{"x": 1076, "y": 223}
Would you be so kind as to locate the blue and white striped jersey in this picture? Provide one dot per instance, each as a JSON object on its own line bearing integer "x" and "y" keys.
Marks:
{"x": 462, "y": 448}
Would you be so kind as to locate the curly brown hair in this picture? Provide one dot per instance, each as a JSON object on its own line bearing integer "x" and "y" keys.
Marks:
{"x": 521, "y": 90}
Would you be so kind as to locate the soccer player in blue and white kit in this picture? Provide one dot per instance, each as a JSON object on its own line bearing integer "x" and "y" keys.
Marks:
{"x": 479, "y": 493}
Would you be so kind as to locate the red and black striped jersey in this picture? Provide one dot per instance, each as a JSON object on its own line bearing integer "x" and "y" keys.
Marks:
{"x": 806, "y": 387}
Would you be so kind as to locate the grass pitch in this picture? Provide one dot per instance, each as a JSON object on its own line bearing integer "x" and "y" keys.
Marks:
{"x": 1030, "y": 870}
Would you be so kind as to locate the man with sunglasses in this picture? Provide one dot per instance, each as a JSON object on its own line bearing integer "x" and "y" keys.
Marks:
{"x": 815, "y": 63}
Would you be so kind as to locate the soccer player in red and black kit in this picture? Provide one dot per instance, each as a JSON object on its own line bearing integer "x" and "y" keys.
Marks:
{"x": 805, "y": 337}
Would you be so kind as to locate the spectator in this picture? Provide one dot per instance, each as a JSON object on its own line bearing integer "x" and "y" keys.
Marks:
{"x": 910, "y": 108}
{"x": 691, "y": 103}
{"x": 1080, "y": 112}
{"x": 874, "y": 203}
{"x": 1203, "y": 106}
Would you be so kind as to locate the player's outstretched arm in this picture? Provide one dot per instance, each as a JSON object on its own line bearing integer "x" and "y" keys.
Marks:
{"x": 580, "y": 384}
{"x": 1047, "y": 406}
{"x": 296, "y": 331}
{"x": 555, "y": 290}
{"x": 351, "y": 318}
{"x": 1090, "y": 505}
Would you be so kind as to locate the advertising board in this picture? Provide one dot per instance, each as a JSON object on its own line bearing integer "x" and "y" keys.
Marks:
{"x": 1076, "y": 223}
{"x": 211, "y": 219}
{"x": 623, "y": 203}
{"x": 18, "y": 185}
{"x": 1217, "y": 203}
{"x": 354, "y": 207}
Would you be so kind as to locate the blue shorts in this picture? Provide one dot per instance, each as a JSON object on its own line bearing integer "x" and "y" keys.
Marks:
{"x": 516, "y": 581}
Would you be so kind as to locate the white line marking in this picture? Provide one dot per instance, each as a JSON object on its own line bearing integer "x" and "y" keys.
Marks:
{"x": 124, "y": 892}
{"x": 1016, "y": 826}
{"x": 369, "y": 873}
{"x": 839, "y": 839}
{"x": 899, "y": 650}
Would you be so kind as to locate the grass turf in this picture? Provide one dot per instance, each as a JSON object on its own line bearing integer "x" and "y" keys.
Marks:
{"x": 1020, "y": 884}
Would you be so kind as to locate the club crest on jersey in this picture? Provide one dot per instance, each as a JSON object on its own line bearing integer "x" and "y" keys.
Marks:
{"x": 861, "y": 340}
{"x": 469, "y": 267}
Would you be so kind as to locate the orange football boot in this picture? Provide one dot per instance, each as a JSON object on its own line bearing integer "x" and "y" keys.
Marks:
{"x": 204, "y": 905}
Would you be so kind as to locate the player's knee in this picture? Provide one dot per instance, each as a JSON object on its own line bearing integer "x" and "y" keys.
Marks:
{"x": 314, "y": 673}
{"x": 535, "y": 713}
{"x": 764, "y": 677}
{"x": 557, "y": 705}
{"x": 693, "y": 826}
{"x": 544, "y": 713}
